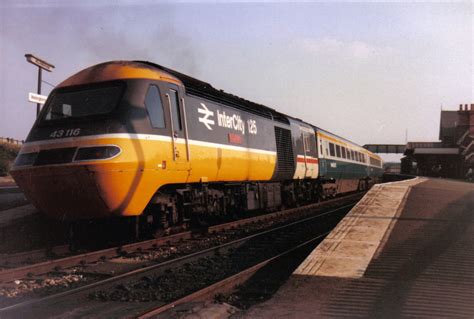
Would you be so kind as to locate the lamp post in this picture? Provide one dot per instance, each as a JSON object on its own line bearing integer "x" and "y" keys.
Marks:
{"x": 42, "y": 65}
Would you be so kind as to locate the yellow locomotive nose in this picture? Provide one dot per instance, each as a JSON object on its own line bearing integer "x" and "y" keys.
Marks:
{"x": 99, "y": 181}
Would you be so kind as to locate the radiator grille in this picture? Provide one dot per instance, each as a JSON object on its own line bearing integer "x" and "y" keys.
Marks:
{"x": 285, "y": 157}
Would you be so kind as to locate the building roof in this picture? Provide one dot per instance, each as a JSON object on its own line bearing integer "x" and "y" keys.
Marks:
{"x": 437, "y": 150}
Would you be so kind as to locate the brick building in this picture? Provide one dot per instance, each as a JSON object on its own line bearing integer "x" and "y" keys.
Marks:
{"x": 450, "y": 157}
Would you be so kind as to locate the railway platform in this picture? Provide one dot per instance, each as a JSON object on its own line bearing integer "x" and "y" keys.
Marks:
{"x": 405, "y": 250}
{"x": 9, "y": 202}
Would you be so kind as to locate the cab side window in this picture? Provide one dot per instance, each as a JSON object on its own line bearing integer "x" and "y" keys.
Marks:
{"x": 175, "y": 110}
{"x": 307, "y": 143}
{"x": 155, "y": 107}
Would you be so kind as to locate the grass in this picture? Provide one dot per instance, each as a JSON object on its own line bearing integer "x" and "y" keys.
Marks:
{"x": 8, "y": 153}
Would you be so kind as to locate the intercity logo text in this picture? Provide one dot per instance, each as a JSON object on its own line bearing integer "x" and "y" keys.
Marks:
{"x": 233, "y": 121}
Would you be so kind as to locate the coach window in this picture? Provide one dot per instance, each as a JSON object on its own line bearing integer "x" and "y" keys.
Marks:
{"x": 331, "y": 149}
{"x": 344, "y": 155}
{"x": 154, "y": 107}
{"x": 352, "y": 155}
{"x": 338, "y": 150}
{"x": 175, "y": 109}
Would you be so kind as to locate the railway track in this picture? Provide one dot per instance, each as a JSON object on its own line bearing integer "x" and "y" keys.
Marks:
{"x": 186, "y": 246}
{"x": 18, "y": 265}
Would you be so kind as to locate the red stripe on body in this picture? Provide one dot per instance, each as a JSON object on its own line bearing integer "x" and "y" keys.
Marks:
{"x": 309, "y": 160}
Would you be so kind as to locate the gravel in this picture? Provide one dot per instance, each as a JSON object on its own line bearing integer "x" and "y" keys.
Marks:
{"x": 40, "y": 285}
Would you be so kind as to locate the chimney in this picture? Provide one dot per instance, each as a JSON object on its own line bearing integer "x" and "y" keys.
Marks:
{"x": 460, "y": 107}
{"x": 472, "y": 107}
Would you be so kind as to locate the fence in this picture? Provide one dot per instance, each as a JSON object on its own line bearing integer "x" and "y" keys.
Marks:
{"x": 10, "y": 140}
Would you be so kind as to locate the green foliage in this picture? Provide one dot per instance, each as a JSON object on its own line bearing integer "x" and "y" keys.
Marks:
{"x": 8, "y": 153}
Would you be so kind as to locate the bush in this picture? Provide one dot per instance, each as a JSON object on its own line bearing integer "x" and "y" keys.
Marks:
{"x": 8, "y": 154}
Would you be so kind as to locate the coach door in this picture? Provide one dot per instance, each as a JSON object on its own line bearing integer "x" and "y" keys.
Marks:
{"x": 310, "y": 151}
{"x": 179, "y": 132}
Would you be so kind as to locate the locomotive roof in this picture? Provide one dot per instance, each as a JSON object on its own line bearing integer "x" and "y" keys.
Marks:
{"x": 113, "y": 70}
{"x": 202, "y": 89}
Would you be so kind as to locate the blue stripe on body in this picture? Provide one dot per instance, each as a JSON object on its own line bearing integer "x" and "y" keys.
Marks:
{"x": 345, "y": 170}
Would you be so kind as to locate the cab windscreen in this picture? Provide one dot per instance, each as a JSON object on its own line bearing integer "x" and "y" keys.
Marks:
{"x": 82, "y": 102}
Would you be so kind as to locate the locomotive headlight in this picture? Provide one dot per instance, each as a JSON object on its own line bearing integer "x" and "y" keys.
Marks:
{"x": 96, "y": 153}
{"x": 25, "y": 159}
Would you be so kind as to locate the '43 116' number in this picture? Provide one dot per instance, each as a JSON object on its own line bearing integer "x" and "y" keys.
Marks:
{"x": 65, "y": 133}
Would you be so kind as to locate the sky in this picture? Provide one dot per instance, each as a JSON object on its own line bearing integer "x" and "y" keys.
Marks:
{"x": 373, "y": 72}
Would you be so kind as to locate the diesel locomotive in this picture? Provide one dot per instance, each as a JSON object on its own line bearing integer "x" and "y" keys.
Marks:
{"x": 136, "y": 140}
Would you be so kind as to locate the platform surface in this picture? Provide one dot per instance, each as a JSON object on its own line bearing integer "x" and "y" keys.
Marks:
{"x": 406, "y": 250}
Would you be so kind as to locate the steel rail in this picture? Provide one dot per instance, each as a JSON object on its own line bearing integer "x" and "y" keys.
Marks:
{"x": 26, "y": 256}
{"x": 43, "y": 267}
